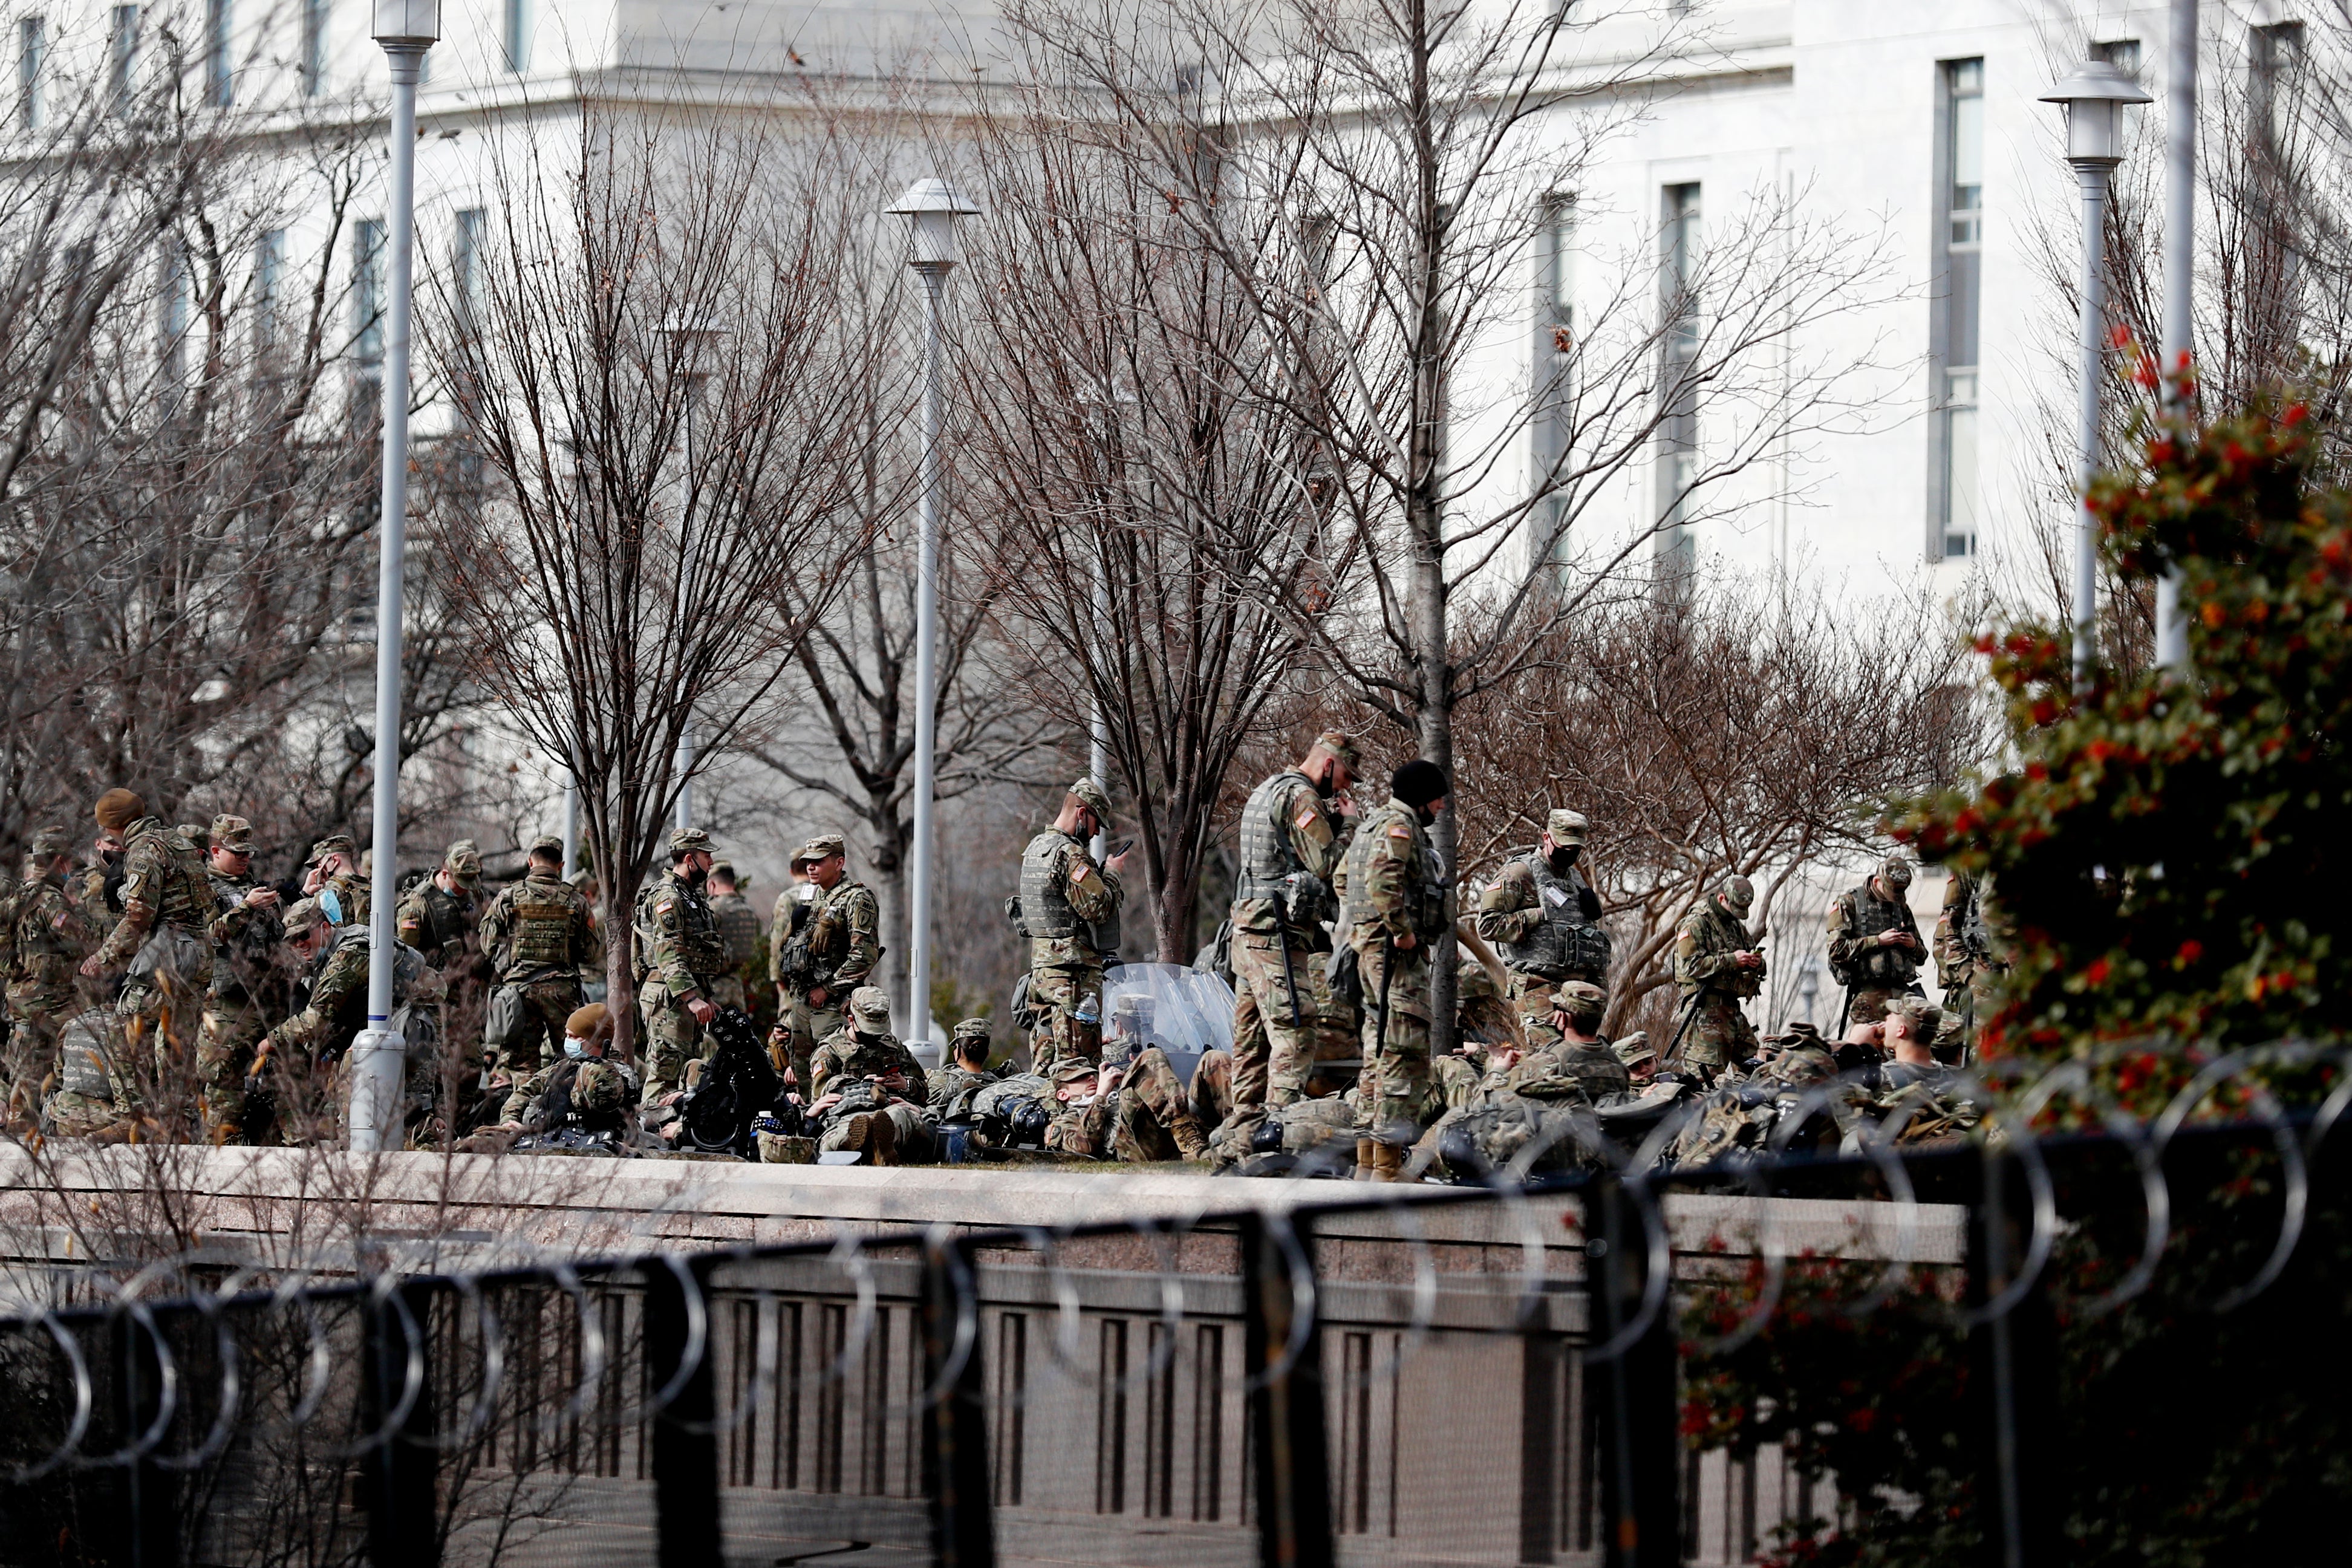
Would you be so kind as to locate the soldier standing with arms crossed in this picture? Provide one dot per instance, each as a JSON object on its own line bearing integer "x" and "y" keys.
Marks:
{"x": 838, "y": 943}
{"x": 1295, "y": 830}
{"x": 1394, "y": 909}
{"x": 1068, "y": 907}
{"x": 679, "y": 956}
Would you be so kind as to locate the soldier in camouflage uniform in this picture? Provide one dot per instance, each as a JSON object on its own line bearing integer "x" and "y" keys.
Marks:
{"x": 871, "y": 1095}
{"x": 965, "y": 1075}
{"x": 246, "y": 931}
{"x": 1140, "y": 1113}
{"x": 1579, "y": 1051}
{"x": 332, "y": 876}
{"x": 1545, "y": 919}
{"x": 441, "y": 912}
{"x": 48, "y": 934}
{"x": 93, "y": 1097}
{"x": 677, "y": 955}
{"x": 1295, "y": 830}
{"x": 738, "y": 926}
{"x": 1971, "y": 956}
{"x": 294, "y": 1059}
{"x": 166, "y": 933}
{"x": 1068, "y": 907}
{"x": 1394, "y": 909}
{"x": 787, "y": 925}
{"x": 583, "y": 1089}
{"x": 1875, "y": 946}
{"x": 1716, "y": 967}
{"x": 833, "y": 953}
{"x": 538, "y": 934}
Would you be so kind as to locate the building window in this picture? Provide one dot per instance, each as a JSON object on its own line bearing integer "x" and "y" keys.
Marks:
{"x": 122, "y": 56}
{"x": 1554, "y": 340}
{"x": 220, "y": 87}
{"x": 173, "y": 318}
{"x": 473, "y": 227}
{"x": 367, "y": 291}
{"x": 32, "y": 49}
{"x": 1678, "y": 315}
{"x": 268, "y": 289}
{"x": 518, "y": 35}
{"x": 1960, "y": 229}
{"x": 314, "y": 48}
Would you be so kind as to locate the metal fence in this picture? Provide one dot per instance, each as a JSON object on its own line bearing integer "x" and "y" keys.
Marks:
{"x": 1608, "y": 1366}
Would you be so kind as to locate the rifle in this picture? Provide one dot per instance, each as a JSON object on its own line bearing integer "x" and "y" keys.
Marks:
{"x": 1690, "y": 1014}
{"x": 1845, "y": 1011}
{"x": 1388, "y": 972}
{"x": 1289, "y": 974}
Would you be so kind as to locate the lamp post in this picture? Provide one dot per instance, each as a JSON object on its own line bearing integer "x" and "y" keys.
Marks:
{"x": 406, "y": 28}
{"x": 932, "y": 208}
{"x": 2094, "y": 96}
{"x": 2180, "y": 266}
{"x": 695, "y": 334}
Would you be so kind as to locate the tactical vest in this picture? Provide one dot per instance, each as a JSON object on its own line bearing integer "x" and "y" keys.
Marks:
{"x": 1427, "y": 912}
{"x": 85, "y": 1057}
{"x": 1566, "y": 947}
{"x": 740, "y": 928}
{"x": 1872, "y": 914}
{"x": 699, "y": 945}
{"x": 185, "y": 899}
{"x": 1046, "y": 909}
{"x": 793, "y": 963}
{"x": 1269, "y": 867}
{"x": 541, "y": 915}
{"x": 445, "y": 918}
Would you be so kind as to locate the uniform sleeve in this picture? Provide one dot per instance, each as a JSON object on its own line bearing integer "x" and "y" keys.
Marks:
{"x": 780, "y": 930}
{"x": 1094, "y": 893}
{"x": 1315, "y": 838}
{"x": 669, "y": 949}
{"x": 518, "y": 1103}
{"x": 822, "y": 1066}
{"x": 1846, "y": 944}
{"x": 142, "y": 895}
{"x": 863, "y": 917}
{"x": 1079, "y": 1132}
{"x": 1510, "y": 909}
{"x": 1383, "y": 899}
{"x": 412, "y": 923}
{"x": 1951, "y": 946}
{"x": 1695, "y": 962}
{"x": 341, "y": 979}
{"x": 492, "y": 930}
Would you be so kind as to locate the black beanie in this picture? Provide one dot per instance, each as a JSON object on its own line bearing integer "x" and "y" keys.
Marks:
{"x": 1418, "y": 782}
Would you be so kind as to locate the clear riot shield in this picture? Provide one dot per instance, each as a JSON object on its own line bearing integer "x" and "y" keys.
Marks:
{"x": 1184, "y": 1012}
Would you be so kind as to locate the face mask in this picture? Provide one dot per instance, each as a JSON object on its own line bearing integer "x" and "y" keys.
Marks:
{"x": 1428, "y": 817}
{"x": 574, "y": 1046}
{"x": 332, "y": 907}
{"x": 1324, "y": 788}
{"x": 1563, "y": 858}
{"x": 696, "y": 877}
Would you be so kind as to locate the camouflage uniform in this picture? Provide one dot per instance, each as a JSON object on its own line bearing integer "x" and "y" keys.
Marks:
{"x": 165, "y": 933}
{"x": 1711, "y": 985}
{"x": 1483, "y": 1012}
{"x": 1147, "y": 1119}
{"x": 93, "y": 1096}
{"x": 1068, "y": 907}
{"x": 1875, "y": 973}
{"x": 846, "y": 1059}
{"x": 591, "y": 1093}
{"x": 1971, "y": 955}
{"x": 840, "y": 943}
{"x": 1530, "y": 1103}
{"x": 353, "y": 895}
{"x": 739, "y": 927}
{"x": 1394, "y": 888}
{"x": 678, "y": 954}
{"x": 48, "y": 934}
{"x": 539, "y": 935}
{"x": 952, "y": 1086}
{"x": 245, "y": 939}
{"x": 1288, "y": 1027}
{"x": 334, "y": 1012}
{"x": 437, "y": 923}
{"x": 788, "y": 926}
{"x": 1547, "y": 927}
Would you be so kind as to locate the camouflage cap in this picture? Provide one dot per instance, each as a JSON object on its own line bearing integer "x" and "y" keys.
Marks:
{"x": 1077, "y": 1070}
{"x": 972, "y": 1028}
{"x": 1634, "y": 1047}
{"x": 598, "y": 1087}
{"x": 1340, "y": 750}
{"x": 870, "y": 1006}
{"x": 1896, "y": 871}
{"x": 332, "y": 844}
{"x": 464, "y": 863}
{"x": 232, "y": 833}
{"x": 1802, "y": 1067}
{"x": 304, "y": 915}
{"x": 51, "y": 842}
{"x": 1580, "y": 998}
{"x": 1094, "y": 798}
{"x": 690, "y": 842}
{"x": 1566, "y": 826}
{"x": 1739, "y": 893}
{"x": 1798, "y": 1033}
{"x": 118, "y": 809}
{"x": 819, "y": 848}
{"x": 546, "y": 846}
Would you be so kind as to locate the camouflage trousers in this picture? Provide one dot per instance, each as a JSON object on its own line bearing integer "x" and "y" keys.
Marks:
{"x": 1721, "y": 1032}
{"x": 672, "y": 1039}
{"x": 1286, "y": 1023}
{"x": 233, "y": 1029}
{"x": 1532, "y": 994}
{"x": 1396, "y": 1060}
{"x": 1059, "y": 993}
{"x": 537, "y": 1039}
{"x": 1212, "y": 1088}
{"x": 913, "y": 1129}
{"x": 32, "y": 1053}
{"x": 1454, "y": 1079}
{"x": 811, "y": 1027}
{"x": 1154, "y": 1120}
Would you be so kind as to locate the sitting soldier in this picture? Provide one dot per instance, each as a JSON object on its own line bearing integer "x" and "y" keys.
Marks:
{"x": 1527, "y": 1109}
{"x": 870, "y": 1091}
{"x": 586, "y": 1090}
{"x": 1581, "y": 1052}
{"x": 92, "y": 1099}
{"x": 966, "y": 1074}
{"x": 1139, "y": 1114}
{"x": 1917, "y": 1099}
{"x": 1639, "y": 1057}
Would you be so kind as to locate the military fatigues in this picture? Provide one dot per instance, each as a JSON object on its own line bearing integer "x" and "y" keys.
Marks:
{"x": 843, "y": 1063}
{"x": 1069, "y": 909}
{"x": 93, "y": 1097}
{"x": 537, "y": 932}
{"x": 435, "y": 923}
{"x": 591, "y": 1093}
{"x": 1394, "y": 888}
{"x": 1874, "y": 972}
{"x": 245, "y": 938}
{"x": 165, "y": 933}
{"x": 1546, "y": 928}
{"x": 788, "y": 927}
{"x": 333, "y": 1013}
{"x": 1711, "y": 987}
{"x": 679, "y": 956}
{"x": 48, "y": 935}
{"x": 1971, "y": 958}
{"x": 1285, "y": 1021}
{"x": 738, "y": 928}
{"x": 840, "y": 941}
{"x": 1147, "y": 1119}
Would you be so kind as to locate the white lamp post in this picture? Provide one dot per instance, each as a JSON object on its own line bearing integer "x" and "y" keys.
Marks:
{"x": 696, "y": 334}
{"x": 932, "y": 208}
{"x": 2094, "y": 95}
{"x": 2179, "y": 265}
{"x": 406, "y": 28}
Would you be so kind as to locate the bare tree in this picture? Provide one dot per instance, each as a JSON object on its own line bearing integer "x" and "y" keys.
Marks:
{"x": 651, "y": 507}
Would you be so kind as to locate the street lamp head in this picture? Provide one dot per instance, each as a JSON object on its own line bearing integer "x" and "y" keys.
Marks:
{"x": 933, "y": 208}
{"x": 407, "y": 21}
{"x": 2094, "y": 94}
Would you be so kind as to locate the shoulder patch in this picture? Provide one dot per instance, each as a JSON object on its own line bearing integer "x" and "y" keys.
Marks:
{"x": 1399, "y": 830}
{"x": 1078, "y": 872}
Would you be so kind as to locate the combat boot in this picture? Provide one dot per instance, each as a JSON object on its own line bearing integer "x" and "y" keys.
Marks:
{"x": 1365, "y": 1152}
{"x": 1190, "y": 1142}
{"x": 871, "y": 1134}
{"x": 1388, "y": 1163}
